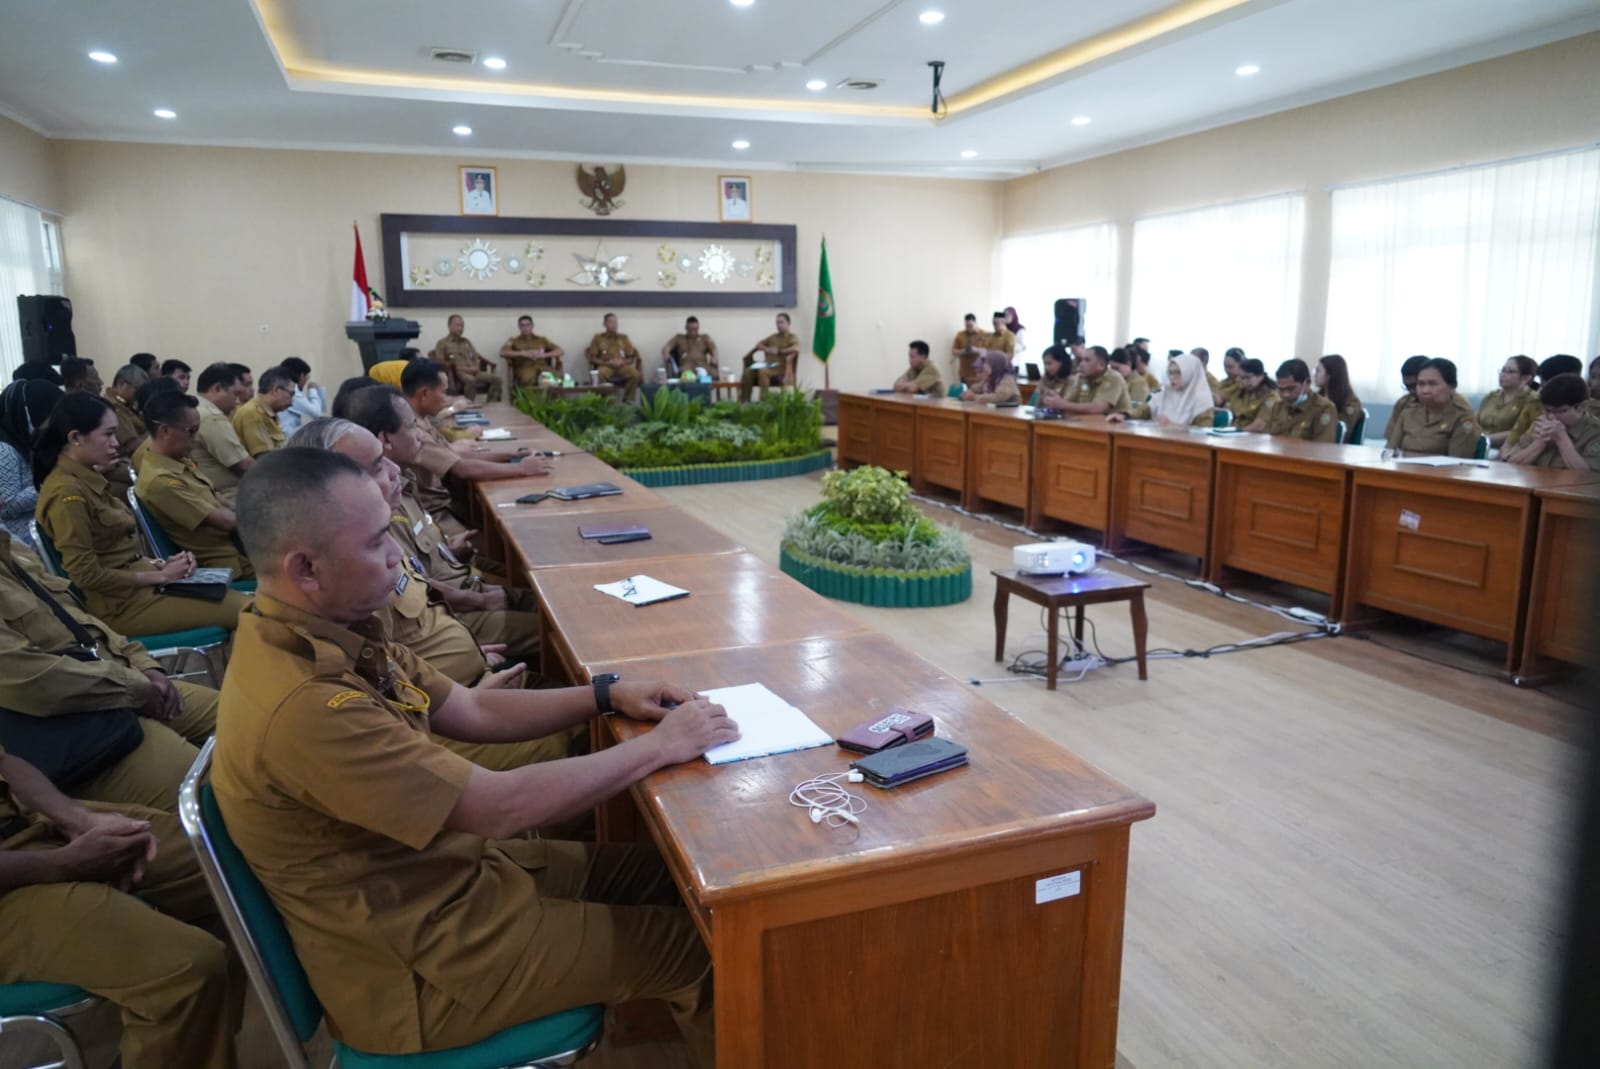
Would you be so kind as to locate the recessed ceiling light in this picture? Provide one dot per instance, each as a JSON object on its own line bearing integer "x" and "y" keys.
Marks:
{"x": 931, "y": 18}
{"x": 1247, "y": 70}
{"x": 741, "y": 3}
{"x": 165, "y": 113}
{"x": 494, "y": 63}
{"x": 816, "y": 85}
{"x": 741, "y": 144}
{"x": 103, "y": 57}
{"x": 969, "y": 154}
{"x": 1081, "y": 120}
{"x": 461, "y": 131}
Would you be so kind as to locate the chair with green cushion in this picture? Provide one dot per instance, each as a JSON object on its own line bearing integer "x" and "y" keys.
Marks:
{"x": 1358, "y": 431}
{"x": 182, "y": 647}
{"x": 1482, "y": 450}
{"x": 1221, "y": 417}
{"x": 160, "y": 544}
{"x": 1338, "y": 433}
{"x": 955, "y": 390}
{"x": 291, "y": 1006}
{"x": 40, "y": 1010}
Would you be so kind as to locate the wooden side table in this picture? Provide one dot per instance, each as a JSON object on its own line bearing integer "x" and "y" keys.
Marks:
{"x": 1057, "y": 592}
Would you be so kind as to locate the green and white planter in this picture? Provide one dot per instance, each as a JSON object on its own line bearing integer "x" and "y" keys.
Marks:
{"x": 731, "y": 472}
{"x": 882, "y": 587}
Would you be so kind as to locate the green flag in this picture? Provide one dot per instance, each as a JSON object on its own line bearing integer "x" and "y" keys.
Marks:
{"x": 822, "y": 337}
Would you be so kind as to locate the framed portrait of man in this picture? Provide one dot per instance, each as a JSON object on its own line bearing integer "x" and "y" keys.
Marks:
{"x": 733, "y": 198}
{"x": 480, "y": 191}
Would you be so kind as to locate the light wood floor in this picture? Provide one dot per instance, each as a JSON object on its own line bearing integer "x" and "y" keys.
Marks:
{"x": 1356, "y": 855}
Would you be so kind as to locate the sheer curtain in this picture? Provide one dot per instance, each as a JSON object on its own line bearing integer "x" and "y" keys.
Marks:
{"x": 1220, "y": 277}
{"x": 24, "y": 269}
{"x": 1037, "y": 269}
{"x": 1475, "y": 265}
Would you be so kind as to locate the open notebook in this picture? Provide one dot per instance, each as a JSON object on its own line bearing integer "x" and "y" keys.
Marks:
{"x": 767, "y": 725}
{"x": 639, "y": 590}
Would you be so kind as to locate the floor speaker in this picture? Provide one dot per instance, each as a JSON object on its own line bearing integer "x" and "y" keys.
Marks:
{"x": 1069, "y": 320}
{"x": 46, "y": 324}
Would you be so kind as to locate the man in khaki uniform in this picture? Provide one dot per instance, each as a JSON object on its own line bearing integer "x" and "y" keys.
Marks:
{"x": 219, "y": 454}
{"x": 1094, "y": 389}
{"x": 780, "y": 353}
{"x": 615, "y": 358}
{"x": 967, "y": 348}
{"x": 1299, "y": 411}
{"x": 466, "y": 364}
{"x": 44, "y": 673}
{"x": 527, "y": 354}
{"x": 77, "y": 887}
{"x": 1121, "y": 362}
{"x": 419, "y": 923}
{"x": 921, "y": 377}
{"x": 690, "y": 351}
{"x": 1569, "y": 434}
{"x": 130, "y": 428}
{"x": 1000, "y": 340}
{"x": 181, "y": 501}
{"x": 256, "y": 420}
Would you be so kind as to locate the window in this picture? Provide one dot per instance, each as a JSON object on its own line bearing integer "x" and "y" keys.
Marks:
{"x": 1037, "y": 269}
{"x": 1474, "y": 265}
{"x": 1220, "y": 277}
{"x": 30, "y": 263}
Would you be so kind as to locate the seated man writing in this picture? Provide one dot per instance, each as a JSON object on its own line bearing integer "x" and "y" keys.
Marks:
{"x": 420, "y": 924}
{"x": 181, "y": 500}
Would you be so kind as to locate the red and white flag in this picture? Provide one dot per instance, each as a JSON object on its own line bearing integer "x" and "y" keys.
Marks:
{"x": 359, "y": 305}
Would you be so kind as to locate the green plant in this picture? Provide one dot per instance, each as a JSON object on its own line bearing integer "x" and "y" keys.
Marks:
{"x": 869, "y": 495}
{"x": 907, "y": 548}
{"x": 570, "y": 417}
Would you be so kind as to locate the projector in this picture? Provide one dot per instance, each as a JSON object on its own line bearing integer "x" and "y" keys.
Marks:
{"x": 1053, "y": 558}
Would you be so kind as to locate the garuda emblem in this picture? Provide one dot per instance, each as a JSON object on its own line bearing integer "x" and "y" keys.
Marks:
{"x": 602, "y": 188}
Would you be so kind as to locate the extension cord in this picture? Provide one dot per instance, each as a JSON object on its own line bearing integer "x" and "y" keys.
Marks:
{"x": 1080, "y": 665}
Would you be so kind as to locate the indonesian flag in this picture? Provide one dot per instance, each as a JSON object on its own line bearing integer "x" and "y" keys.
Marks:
{"x": 359, "y": 305}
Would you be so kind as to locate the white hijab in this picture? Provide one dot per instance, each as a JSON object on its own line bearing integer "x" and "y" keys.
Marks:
{"x": 1182, "y": 404}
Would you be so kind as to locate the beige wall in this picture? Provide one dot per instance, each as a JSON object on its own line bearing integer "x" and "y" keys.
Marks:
{"x": 187, "y": 252}
{"x": 28, "y": 167}
{"x": 1545, "y": 98}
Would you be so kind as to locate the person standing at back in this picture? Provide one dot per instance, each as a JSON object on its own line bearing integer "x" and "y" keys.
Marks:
{"x": 967, "y": 349}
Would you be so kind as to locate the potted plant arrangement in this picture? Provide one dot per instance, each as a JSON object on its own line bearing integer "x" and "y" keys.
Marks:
{"x": 866, "y": 542}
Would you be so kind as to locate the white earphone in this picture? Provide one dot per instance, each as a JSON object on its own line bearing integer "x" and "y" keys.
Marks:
{"x": 827, "y": 801}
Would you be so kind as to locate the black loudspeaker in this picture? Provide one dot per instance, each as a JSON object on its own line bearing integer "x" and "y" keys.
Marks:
{"x": 1069, "y": 319}
{"x": 46, "y": 328}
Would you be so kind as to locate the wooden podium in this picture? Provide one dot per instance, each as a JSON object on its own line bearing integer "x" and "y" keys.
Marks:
{"x": 381, "y": 339}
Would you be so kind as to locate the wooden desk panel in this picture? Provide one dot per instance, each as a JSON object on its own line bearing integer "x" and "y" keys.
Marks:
{"x": 855, "y": 430}
{"x": 1161, "y": 484}
{"x": 999, "y": 457}
{"x": 1279, "y": 516}
{"x": 941, "y": 456}
{"x": 948, "y": 938}
{"x": 1559, "y": 624}
{"x": 1071, "y": 474}
{"x": 549, "y": 540}
{"x": 893, "y": 434}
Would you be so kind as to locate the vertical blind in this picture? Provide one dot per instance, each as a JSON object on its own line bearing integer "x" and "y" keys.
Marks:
{"x": 1036, "y": 269}
{"x": 25, "y": 268}
{"x": 1474, "y": 265}
{"x": 1220, "y": 277}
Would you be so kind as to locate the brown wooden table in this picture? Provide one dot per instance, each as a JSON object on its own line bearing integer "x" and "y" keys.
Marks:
{"x": 1071, "y": 473}
{"x": 1074, "y": 592}
{"x": 1161, "y": 488}
{"x": 855, "y": 429}
{"x": 928, "y": 930}
{"x": 551, "y": 540}
{"x": 999, "y": 456}
{"x": 941, "y": 454}
{"x": 1561, "y": 590}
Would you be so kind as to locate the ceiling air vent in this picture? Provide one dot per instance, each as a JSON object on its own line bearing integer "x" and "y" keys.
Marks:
{"x": 452, "y": 55}
{"x": 860, "y": 85}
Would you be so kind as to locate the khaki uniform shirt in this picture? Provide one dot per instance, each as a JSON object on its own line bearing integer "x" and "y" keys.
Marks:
{"x": 1351, "y": 413}
{"x": 258, "y": 427}
{"x": 1406, "y": 401}
{"x": 1004, "y": 342}
{"x": 424, "y": 538}
{"x": 525, "y": 369}
{"x": 35, "y": 676}
{"x": 95, "y": 534}
{"x": 338, "y": 797}
{"x": 179, "y": 499}
{"x": 459, "y": 353}
{"x": 217, "y": 448}
{"x": 434, "y": 462}
{"x": 967, "y": 362}
{"x": 925, "y": 380}
{"x": 1500, "y": 413}
{"x": 1415, "y": 432}
{"x": 130, "y": 428}
{"x": 694, "y": 353}
{"x": 1047, "y": 385}
{"x": 1313, "y": 420}
{"x": 1227, "y": 389}
{"x": 1004, "y": 393}
{"x": 1150, "y": 378}
{"x": 1585, "y": 435}
{"x": 1138, "y": 396}
{"x": 604, "y": 348}
{"x": 1246, "y": 405}
{"x": 789, "y": 340}
{"x": 1109, "y": 387}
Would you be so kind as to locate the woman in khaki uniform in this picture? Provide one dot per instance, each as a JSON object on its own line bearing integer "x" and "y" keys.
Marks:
{"x": 1332, "y": 380}
{"x": 1057, "y": 374}
{"x": 1253, "y": 394}
{"x": 999, "y": 383}
{"x": 1435, "y": 425}
{"x": 1503, "y": 407}
{"x": 96, "y": 535}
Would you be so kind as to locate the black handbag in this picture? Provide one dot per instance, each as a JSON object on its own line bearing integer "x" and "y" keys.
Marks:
{"x": 71, "y": 747}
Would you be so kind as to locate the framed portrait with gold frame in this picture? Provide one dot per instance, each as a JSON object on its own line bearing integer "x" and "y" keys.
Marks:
{"x": 733, "y": 199}
{"x": 479, "y": 188}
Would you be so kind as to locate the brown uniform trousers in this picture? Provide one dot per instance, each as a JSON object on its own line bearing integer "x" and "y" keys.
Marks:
{"x": 604, "y": 348}
{"x": 469, "y": 367}
{"x": 768, "y": 377}
{"x": 525, "y": 369}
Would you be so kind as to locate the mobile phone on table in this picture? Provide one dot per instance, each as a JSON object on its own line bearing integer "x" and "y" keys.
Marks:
{"x": 531, "y": 499}
{"x": 631, "y": 536}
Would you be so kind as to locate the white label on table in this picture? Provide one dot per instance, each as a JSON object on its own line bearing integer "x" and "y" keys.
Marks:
{"x": 1410, "y": 520}
{"x": 1053, "y": 887}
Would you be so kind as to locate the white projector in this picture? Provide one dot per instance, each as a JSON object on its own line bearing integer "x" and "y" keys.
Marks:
{"x": 1053, "y": 558}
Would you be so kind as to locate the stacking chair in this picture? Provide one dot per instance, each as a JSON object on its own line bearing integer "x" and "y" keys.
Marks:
{"x": 291, "y": 1006}
{"x": 1483, "y": 448}
{"x": 1339, "y": 433}
{"x": 1221, "y": 417}
{"x": 41, "y": 1010}
{"x": 1358, "y": 431}
{"x": 160, "y": 544}
{"x": 181, "y": 648}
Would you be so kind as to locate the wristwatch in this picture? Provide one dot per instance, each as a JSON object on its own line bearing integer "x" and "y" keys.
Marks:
{"x": 602, "y": 691}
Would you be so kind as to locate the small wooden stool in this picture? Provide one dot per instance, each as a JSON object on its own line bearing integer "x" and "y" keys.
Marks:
{"x": 1056, "y": 592}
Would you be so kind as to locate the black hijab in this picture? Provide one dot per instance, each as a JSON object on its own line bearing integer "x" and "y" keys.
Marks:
{"x": 24, "y": 406}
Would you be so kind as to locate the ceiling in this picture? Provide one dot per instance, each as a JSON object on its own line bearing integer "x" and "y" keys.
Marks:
{"x": 678, "y": 81}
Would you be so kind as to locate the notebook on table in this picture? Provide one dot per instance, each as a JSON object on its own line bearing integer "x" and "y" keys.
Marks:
{"x": 767, "y": 725}
{"x": 578, "y": 493}
{"x": 611, "y": 530}
{"x": 641, "y": 590}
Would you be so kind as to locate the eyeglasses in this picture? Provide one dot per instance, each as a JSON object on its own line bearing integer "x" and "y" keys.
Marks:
{"x": 190, "y": 431}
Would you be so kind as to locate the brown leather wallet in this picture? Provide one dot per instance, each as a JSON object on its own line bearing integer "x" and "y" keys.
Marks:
{"x": 893, "y": 728}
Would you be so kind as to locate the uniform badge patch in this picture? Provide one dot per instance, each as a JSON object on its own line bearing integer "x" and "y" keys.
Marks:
{"x": 343, "y": 696}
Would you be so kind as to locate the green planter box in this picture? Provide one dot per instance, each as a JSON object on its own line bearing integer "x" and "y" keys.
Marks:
{"x": 875, "y": 586}
{"x": 734, "y": 472}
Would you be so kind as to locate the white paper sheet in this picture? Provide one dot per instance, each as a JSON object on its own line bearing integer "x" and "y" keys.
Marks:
{"x": 495, "y": 434}
{"x": 767, "y": 725}
{"x": 641, "y": 590}
{"x": 1442, "y": 462}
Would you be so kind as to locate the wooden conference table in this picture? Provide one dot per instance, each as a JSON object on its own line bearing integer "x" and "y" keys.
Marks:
{"x": 1454, "y": 546}
{"x": 975, "y": 916}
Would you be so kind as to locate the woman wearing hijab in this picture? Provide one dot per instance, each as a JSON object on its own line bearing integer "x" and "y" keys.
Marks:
{"x": 24, "y": 406}
{"x": 1014, "y": 325}
{"x": 999, "y": 383}
{"x": 1186, "y": 401}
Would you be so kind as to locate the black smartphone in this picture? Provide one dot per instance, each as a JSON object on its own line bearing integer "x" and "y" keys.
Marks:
{"x": 631, "y": 536}
{"x": 531, "y": 499}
